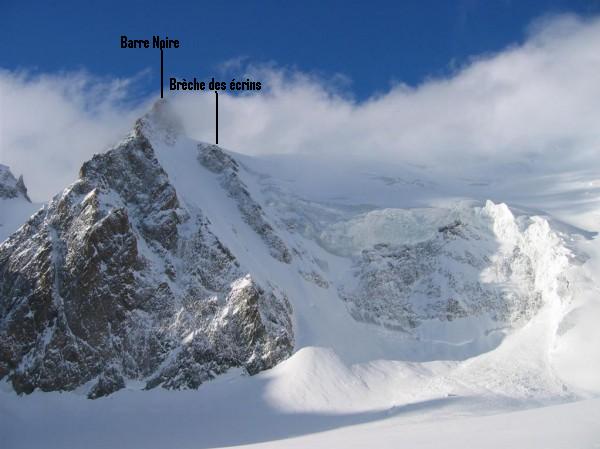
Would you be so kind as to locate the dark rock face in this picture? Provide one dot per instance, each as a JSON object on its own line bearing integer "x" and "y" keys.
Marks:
{"x": 114, "y": 280}
{"x": 213, "y": 158}
{"x": 236, "y": 336}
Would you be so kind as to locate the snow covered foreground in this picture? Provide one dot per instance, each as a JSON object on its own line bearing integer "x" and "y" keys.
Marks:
{"x": 564, "y": 426}
{"x": 520, "y": 370}
{"x": 228, "y": 414}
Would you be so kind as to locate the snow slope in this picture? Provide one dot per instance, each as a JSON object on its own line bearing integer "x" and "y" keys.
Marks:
{"x": 565, "y": 426}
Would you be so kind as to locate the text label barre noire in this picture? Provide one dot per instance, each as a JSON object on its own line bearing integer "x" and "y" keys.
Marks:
{"x": 156, "y": 42}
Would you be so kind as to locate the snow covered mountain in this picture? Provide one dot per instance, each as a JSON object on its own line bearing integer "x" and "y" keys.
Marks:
{"x": 10, "y": 187}
{"x": 169, "y": 262}
{"x": 15, "y": 205}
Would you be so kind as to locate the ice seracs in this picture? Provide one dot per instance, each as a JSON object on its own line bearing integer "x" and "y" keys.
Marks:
{"x": 449, "y": 267}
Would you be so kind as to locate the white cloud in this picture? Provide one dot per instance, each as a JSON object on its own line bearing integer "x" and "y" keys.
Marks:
{"x": 50, "y": 124}
{"x": 537, "y": 100}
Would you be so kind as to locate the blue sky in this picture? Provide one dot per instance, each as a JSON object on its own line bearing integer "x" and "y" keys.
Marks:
{"x": 373, "y": 44}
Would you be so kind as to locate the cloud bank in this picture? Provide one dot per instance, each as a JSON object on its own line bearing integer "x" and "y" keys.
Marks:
{"x": 537, "y": 101}
{"x": 537, "y": 98}
{"x": 50, "y": 124}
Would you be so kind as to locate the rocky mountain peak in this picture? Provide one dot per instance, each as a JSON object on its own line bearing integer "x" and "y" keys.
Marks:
{"x": 11, "y": 187}
{"x": 161, "y": 122}
{"x": 116, "y": 280}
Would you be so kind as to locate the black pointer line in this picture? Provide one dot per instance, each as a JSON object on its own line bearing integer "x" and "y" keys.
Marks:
{"x": 217, "y": 117}
{"x": 161, "y": 73}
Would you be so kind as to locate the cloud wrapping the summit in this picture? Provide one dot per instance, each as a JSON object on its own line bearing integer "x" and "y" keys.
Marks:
{"x": 536, "y": 101}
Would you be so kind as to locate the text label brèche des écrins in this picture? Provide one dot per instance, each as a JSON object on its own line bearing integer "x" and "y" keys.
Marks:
{"x": 214, "y": 85}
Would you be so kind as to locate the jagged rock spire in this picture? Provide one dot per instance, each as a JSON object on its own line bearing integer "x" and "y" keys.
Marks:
{"x": 11, "y": 187}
